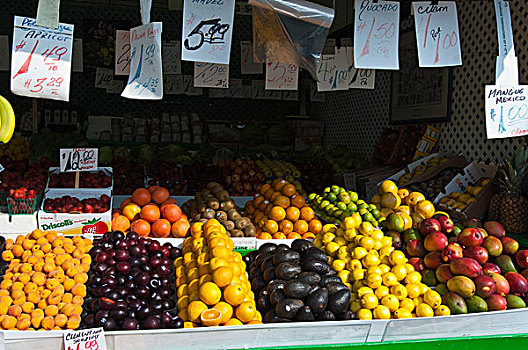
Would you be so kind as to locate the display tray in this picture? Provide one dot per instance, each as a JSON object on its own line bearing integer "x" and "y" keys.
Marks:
{"x": 338, "y": 334}
{"x": 239, "y": 201}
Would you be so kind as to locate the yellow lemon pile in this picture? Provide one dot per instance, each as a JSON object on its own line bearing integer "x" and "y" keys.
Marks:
{"x": 383, "y": 284}
{"x": 213, "y": 287}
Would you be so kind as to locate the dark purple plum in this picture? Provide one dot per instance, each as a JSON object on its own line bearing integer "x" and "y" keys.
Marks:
{"x": 152, "y": 322}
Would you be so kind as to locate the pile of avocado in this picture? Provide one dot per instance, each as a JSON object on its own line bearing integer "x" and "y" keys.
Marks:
{"x": 336, "y": 203}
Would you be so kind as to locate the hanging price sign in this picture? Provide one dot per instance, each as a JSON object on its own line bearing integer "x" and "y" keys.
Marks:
{"x": 377, "y": 26}
{"x": 78, "y": 159}
{"x": 41, "y": 60}
{"x": 437, "y": 34}
{"x": 211, "y": 75}
{"x": 506, "y": 111}
{"x": 122, "y": 56}
{"x": 86, "y": 339}
{"x": 281, "y": 76}
{"x": 145, "y": 81}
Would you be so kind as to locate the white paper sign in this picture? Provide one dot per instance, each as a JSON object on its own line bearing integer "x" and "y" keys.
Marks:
{"x": 506, "y": 111}
{"x": 41, "y": 60}
{"x": 281, "y": 76}
{"x": 122, "y": 54}
{"x": 173, "y": 84}
{"x": 207, "y": 30}
{"x": 171, "y": 57}
{"x": 332, "y": 71}
{"x": 77, "y": 56}
{"x": 4, "y": 52}
{"x": 104, "y": 78}
{"x": 247, "y": 62}
{"x": 211, "y": 75}
{"x": 145, "y": 81}
{"x": 507, "y": 67}
{"x": 437, "y": 35}
{"x": 78, "y": 159}
{"x": 85, "y": 339}
{"x": 376, "y": 36}
{"x": 359, "y": 78}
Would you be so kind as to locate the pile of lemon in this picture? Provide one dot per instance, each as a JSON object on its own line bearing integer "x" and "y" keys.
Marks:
{"x": 213, "y": 287}
{"x": 383, "y": 284}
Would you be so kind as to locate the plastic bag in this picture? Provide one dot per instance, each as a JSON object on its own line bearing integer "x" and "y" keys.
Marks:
{"x": 290, "y": 31}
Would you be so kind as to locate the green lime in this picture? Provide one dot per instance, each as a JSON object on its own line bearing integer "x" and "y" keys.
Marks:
{"x": 368, "y": 217}
{"x": 372, "y": 206}
{"x": 352, "y": 206}
{"x": 375, "y": 213}
{"x": 375, "y": 223}
{"x": 332, "y": 197}
{"x": 341, "y": 205}
{"x": 344, "y": 197}
{"x": 360, "y": 201}
{"x": 363, "y": 206}
{"x": 324, "y": 204}
{"x": 318, "y": 200}
{"x": 326, "y": 190}
{"x": 353, "y": 196}
{"x": 329, "y": 208}
{"x": 312, "y": 196}
{"x": 362, "y": 211}
{"x": 456, "y": 230}
{"x": 345, "y": 214}
{"x": 337, "y": 213}
{"x": 336, "y": 189}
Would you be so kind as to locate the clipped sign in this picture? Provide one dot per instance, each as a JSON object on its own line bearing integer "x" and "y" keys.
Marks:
{"x": 173, "y": 84}
{"x": 507, "y": 67}
{"x": 145, "y": 81}
{"x": 437, "y": 34}
{"x": 78, "y": 159}
{"x": 506, "y": 111}
{"x": 41, "y": 60}
{"x": 359, "y": 78}
{"x": 171, "y": 58}
{"x": 281, "y": 76}
{"x": 332, "y": 71}
{"x": 247, "y": 61}
{"x": 207, "y": 30}
{"x": 85, "y": 339}
{"x": 376, "y": 29}
{"x": 211, "y": 75}
{"x": 122, "y": 55}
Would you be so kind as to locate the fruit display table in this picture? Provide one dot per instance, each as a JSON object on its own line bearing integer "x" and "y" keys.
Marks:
{"x": 239, "y": 201}
{"x": 15, "y": 224}
{"x": 451, "y": 332}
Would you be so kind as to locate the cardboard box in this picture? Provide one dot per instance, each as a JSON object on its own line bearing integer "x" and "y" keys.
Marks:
{"x": 107, "y": 170}
{"x": 472, "y": 173}
{"x": 371, "y": 178}
{"x": 458, "y": 162}
{"x": 75, "y": 223}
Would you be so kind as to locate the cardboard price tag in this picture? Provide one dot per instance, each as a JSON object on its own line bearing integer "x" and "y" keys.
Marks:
{"x": 207, "y": 30}
{"x": 78, "y": 159}
{"x": 211, "y": 75}
{"x": 281, "y": 76}
{"x": 122, "y": 55}
{"x": 377, "y": 26}
{"x": 171, "y": 57}
{"x": 86, "y": 339}
{"x": 41, "y": 60}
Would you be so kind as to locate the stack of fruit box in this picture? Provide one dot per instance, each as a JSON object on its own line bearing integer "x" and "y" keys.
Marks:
{"x": 77, "y": 223}
{"x": 472, "y": 173}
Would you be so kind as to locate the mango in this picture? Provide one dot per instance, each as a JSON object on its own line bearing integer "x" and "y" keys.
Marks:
{"x": 514, "y": 302}
{"x": 461, "y": 285}
{"x": 466, "y": 267}
{"x": 455, "y": 302}
{"x": 505, "y": 263}
{"x": 476, "y": 304}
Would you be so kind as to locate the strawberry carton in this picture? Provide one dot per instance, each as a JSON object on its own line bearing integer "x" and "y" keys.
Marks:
{"x": 84, "y": 212}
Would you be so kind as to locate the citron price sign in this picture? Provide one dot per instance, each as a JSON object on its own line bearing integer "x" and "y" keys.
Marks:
{"x": 41, "y": 60}
{"x": 86, "y": 339}
{"x": 78, "y": 159}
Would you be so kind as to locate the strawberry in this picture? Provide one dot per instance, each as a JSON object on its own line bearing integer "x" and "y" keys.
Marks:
{"x": 94, "y": 227}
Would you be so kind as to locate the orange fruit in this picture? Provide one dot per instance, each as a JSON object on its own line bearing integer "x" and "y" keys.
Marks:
{"x": 294, "y": 235}
{"x": 222, "y": 276}
{"x": 278, "y": 184}
{"x": 286, "y": 226}
{"x": 141, "y": 196}
{"x": 257, "y": 201}
{"x": 234, "y": 294}
{"x": 279, "y": 235}
{"x": 282, "y": 201}
{"x": 210, "y": 293}
{"x": 292, "y": 214}
{"x": 315, "y": 226}
{"x": 308, "y": 235}
{"x": 180, "y": 228}
{"x": 275, "y": 195}
{"x": 298, "y": 201}
{"x": 277, "y": 213}
{"x": 307, "y": 214}
{"x": 300, "y": 226}
{"x": 159, "y": 195}
{"x": 141, "y": 227}
{"x": 195, "y": 309}
{"x": 161, "y": 228}
{"x": 225, "y": 309}
{"x": 263, "y": 205}
{"x": 288, "y": 190}
{"x": 171, "y": 212}
{"x": 269, "y": 193}
{"x": 150, "y": 213}
{"x": 233, "y": 322}
{"x": 211, "y": 317}
{"x": 271, "y": 226}
{"x": 263, "y": 189}
{"x": 264, "y": 235}
{"x": 246, "y": 311}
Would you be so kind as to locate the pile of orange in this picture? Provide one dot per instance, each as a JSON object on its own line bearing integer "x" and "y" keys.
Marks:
{"x": 280, "y": 212}
{"x": 213, "y": 287}
{"x": 151, "y": 211}
{"x": 44, "y": 285}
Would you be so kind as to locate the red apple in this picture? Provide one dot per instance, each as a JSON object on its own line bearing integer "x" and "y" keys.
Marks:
{"x": 470, "y": 237}
{"x": 428, "y": 226}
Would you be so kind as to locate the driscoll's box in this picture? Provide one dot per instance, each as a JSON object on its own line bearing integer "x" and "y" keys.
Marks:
{"x": 75, "y": 223}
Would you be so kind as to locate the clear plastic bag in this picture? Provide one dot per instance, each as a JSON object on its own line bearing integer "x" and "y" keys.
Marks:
{"x": 290, "y": 31}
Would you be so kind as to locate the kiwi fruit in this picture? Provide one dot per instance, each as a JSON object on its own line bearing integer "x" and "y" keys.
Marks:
{"x": 222, "y": 195}
{"x": 213, "y": 203}
{"x": 227, "y": 205}
{"x": 221, "y": 216}
{"x": 208, "y": 214}
{"x": 250, "y": 231}
{"x": 237, "y": 233}
{"x": 229, "y": 225}
{"x": 242, "y": 223}
{"x": 233, "y": 215}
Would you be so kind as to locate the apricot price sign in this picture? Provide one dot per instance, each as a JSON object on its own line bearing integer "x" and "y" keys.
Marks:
{"x": 85, "y": 339}
{"x": 376, "y": 28}
{"x": 41, "y": 60}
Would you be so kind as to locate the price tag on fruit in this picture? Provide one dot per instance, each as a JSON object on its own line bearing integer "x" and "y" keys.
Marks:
{"x": 78, "y": 159}
{"x": 437, "y": 34}
{"x": 41, "y": 60}
{"x": 86, "y": 339}
{"x": 377, "y": 26}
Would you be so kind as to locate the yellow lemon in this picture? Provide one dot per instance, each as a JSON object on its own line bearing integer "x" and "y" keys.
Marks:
{"x": 344, "y": 275}
{"x": 328, "y": 237}
{"x": 366, "y": 228}
{"x": 407, "y": 303}
{"x": 355, "y": 306}
{"x": 377, "y": 235}
{"x": 381, "y": 291}
{"x": 375, "y": 269}
{"x": 413, "y": 277}
{"x": 399, "y": 291}
{"x": 367, "y": 243}
{"x": 374, "y": 280}
{"x": 364, "y": 314}
{"x": 397, "y": 257}
{"x": 331, "y": 248}
{"x": 350, "y": 234}
{"x": 338, "y": 265}
{"x": 391, "y": 302}
{"x": 371, "y": 260}
{"x": 384, "y": 268}
{"x": 360, "y": 252}
{"x": 424, "y": 310}
{"x": 390, "y": 279}
{"x": 369, "y": 301}
{"x": 381, "y": 312}
{"x": 354, "y": 264}
{"x": 432, "y": 298}
{"x": 387, "y": 186}
{"x": 413, "y": 290}
{"x": 400, "y": 271}
{"x": 364, "y": 290}
{"x": 442, "y": 310}
{"x": 402, "y": 313}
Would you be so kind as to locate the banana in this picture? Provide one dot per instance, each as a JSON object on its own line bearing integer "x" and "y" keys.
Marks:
{"x": 7, "y": 118}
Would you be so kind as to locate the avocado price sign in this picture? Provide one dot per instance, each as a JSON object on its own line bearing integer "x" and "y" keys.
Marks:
{"x": 86, "y": 339}
{"x": 506, "y": 111}
{"x": 78, "y": 159}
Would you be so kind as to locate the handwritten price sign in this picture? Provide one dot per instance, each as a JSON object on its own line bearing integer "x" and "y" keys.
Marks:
{"x": 281, "y": 76}
{"x": 145, "y": 81}
{"x": 437, "y": 34}
{"x": 78, "y": 159}
{"x": 358, "y": 78}
{"x": 248, "y": 64}
{"x": 171, "y": 58}
{"x": 86, "y": 339}
{"x": 41, "y": 60}
{"x": 104, "y": 78}
{"x": 332, "y": 72}
{"x": 506, "y": 111}
{"x": 376, "y": 37}
{"x": 211, "y": 75}
{"x": 122, "y": 56}
{"x": 207, "y": 30}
